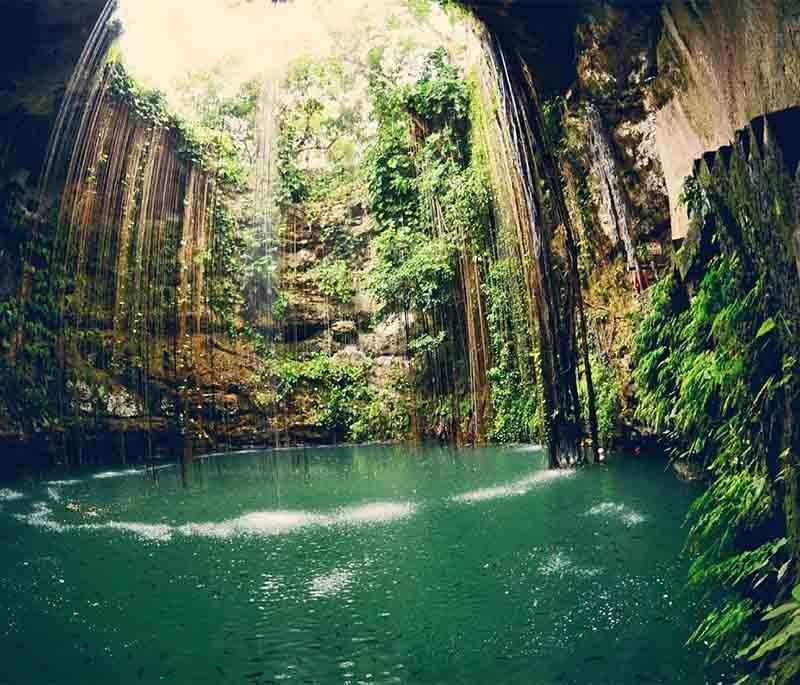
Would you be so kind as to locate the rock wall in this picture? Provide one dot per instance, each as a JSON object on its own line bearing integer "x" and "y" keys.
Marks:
{"x": 672, "y": 79}
{"x": 40, "y": 42}
{"x": 729, "y": 62}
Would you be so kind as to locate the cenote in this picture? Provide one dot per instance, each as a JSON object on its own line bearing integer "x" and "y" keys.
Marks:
{"x": 350, "y": 565}
{"x": 400, "y": 341}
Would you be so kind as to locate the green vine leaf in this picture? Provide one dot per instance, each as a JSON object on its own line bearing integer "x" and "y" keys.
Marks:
{"x": 767, "y": 327}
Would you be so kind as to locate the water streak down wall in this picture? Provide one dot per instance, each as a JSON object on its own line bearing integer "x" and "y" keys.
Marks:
{"x": 133, "y": 223}
{"x": 525, "y": 170}
{"x": 130, "y": 245}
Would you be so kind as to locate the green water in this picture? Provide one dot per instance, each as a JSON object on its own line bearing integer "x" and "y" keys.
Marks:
{"x": 349, "y": 565}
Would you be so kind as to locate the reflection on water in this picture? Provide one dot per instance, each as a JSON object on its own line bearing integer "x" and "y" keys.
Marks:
{"x": 277, "y": 522}
{"x": 328, "y": 584}
{"x": 559, "y": 564}
{"x": 117, "y": 474}
{"x": 349, "y": 565}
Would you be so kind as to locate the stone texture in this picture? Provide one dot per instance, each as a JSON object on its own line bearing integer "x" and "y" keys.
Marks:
{"x": 616, "y": 67}
{"x": 673, "y": 78}
{"x": 736, "y": 60}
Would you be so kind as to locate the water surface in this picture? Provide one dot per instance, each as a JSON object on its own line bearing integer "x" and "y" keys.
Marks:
{"x": 349, "y": 565}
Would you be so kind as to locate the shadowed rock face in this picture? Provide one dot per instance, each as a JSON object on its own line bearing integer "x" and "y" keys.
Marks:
{"x": 544, "y": 31}
{"x": 731, "y": 61}
{"x": 40, "y": 43}
{"x": 672, "y": 78}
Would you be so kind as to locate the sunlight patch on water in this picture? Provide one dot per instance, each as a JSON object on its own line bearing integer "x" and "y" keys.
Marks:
{"x": 279, "y": 522}
{"x": 7, "y": 495}
{"x": 156, "y": 532}
{"x": 41, "y": 517}
{"x": 271, "y": 583}
{"x": 126, "y": 472}
{"x": 375, "y": 512}
{"x": 519, "y": 487}
{"x": 559, "y": 564}
{"x": 528, "y": 448}
{"x": 329, "y": 584}
{"x": 117, "y": 474}
{"x": 621, "y": 512}
{"x": 61, "y": 483}
{"x": 258, "y": 523}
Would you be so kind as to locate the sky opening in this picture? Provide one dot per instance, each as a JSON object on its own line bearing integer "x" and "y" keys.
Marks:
{"x": 164, "y": 40}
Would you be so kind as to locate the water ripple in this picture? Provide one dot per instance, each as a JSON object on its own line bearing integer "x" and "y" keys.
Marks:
{"x": 116, "y": 474}
{"x": 41, "y": 517}
{"x": 559, "y": 564}
{"x": 329, "y": 584}
{"x": 278, "y": 522}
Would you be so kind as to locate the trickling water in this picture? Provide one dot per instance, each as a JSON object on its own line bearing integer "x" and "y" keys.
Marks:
{"x": 361, "y": 564}
{"x": 80, "y": 84}
{"x": 264, "y": 206}
{"x": 131, "y": 205}
{"x": 529, "y": 201}
{"x": 133, "y": 257}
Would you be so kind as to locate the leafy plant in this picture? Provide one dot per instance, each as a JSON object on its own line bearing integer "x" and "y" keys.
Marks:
{"x": 717, "y": 372}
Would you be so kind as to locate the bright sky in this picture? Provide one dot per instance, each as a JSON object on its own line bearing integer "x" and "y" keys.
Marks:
{"x": 164, "y": 39}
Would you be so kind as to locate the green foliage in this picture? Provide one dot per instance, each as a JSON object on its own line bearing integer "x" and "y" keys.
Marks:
{"x": 334, "y": 279}
{"x": 608, "y": 389}
{"x": 337, "y": 397}
{"x": 430, "y": 200}
{"x": 280, "y": 307}
{"x": 208, "y": 145}
{"x": 723, "y": 624}
{"x": 412, "y": 271}
{"x": 149, "y": 105}
{"x": 440, "y": 95}
{"x": 33, "y": 394}
{"x": 339, "y": 389}
{"x": 717, "y": 370}
{"x": 293, "y": 186}
{"x": 321, "y": 131}
{"x": 656, "y": 373}
{"x": 386, "y": 417}
{"x": 392, "y": 178}
{"x": 695, "y": 198}
{"x": 226, "y": 267}
{"x": 783, "y": 625}
{"x": 426, "y": 343}
{"x": 699, "y": 377}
